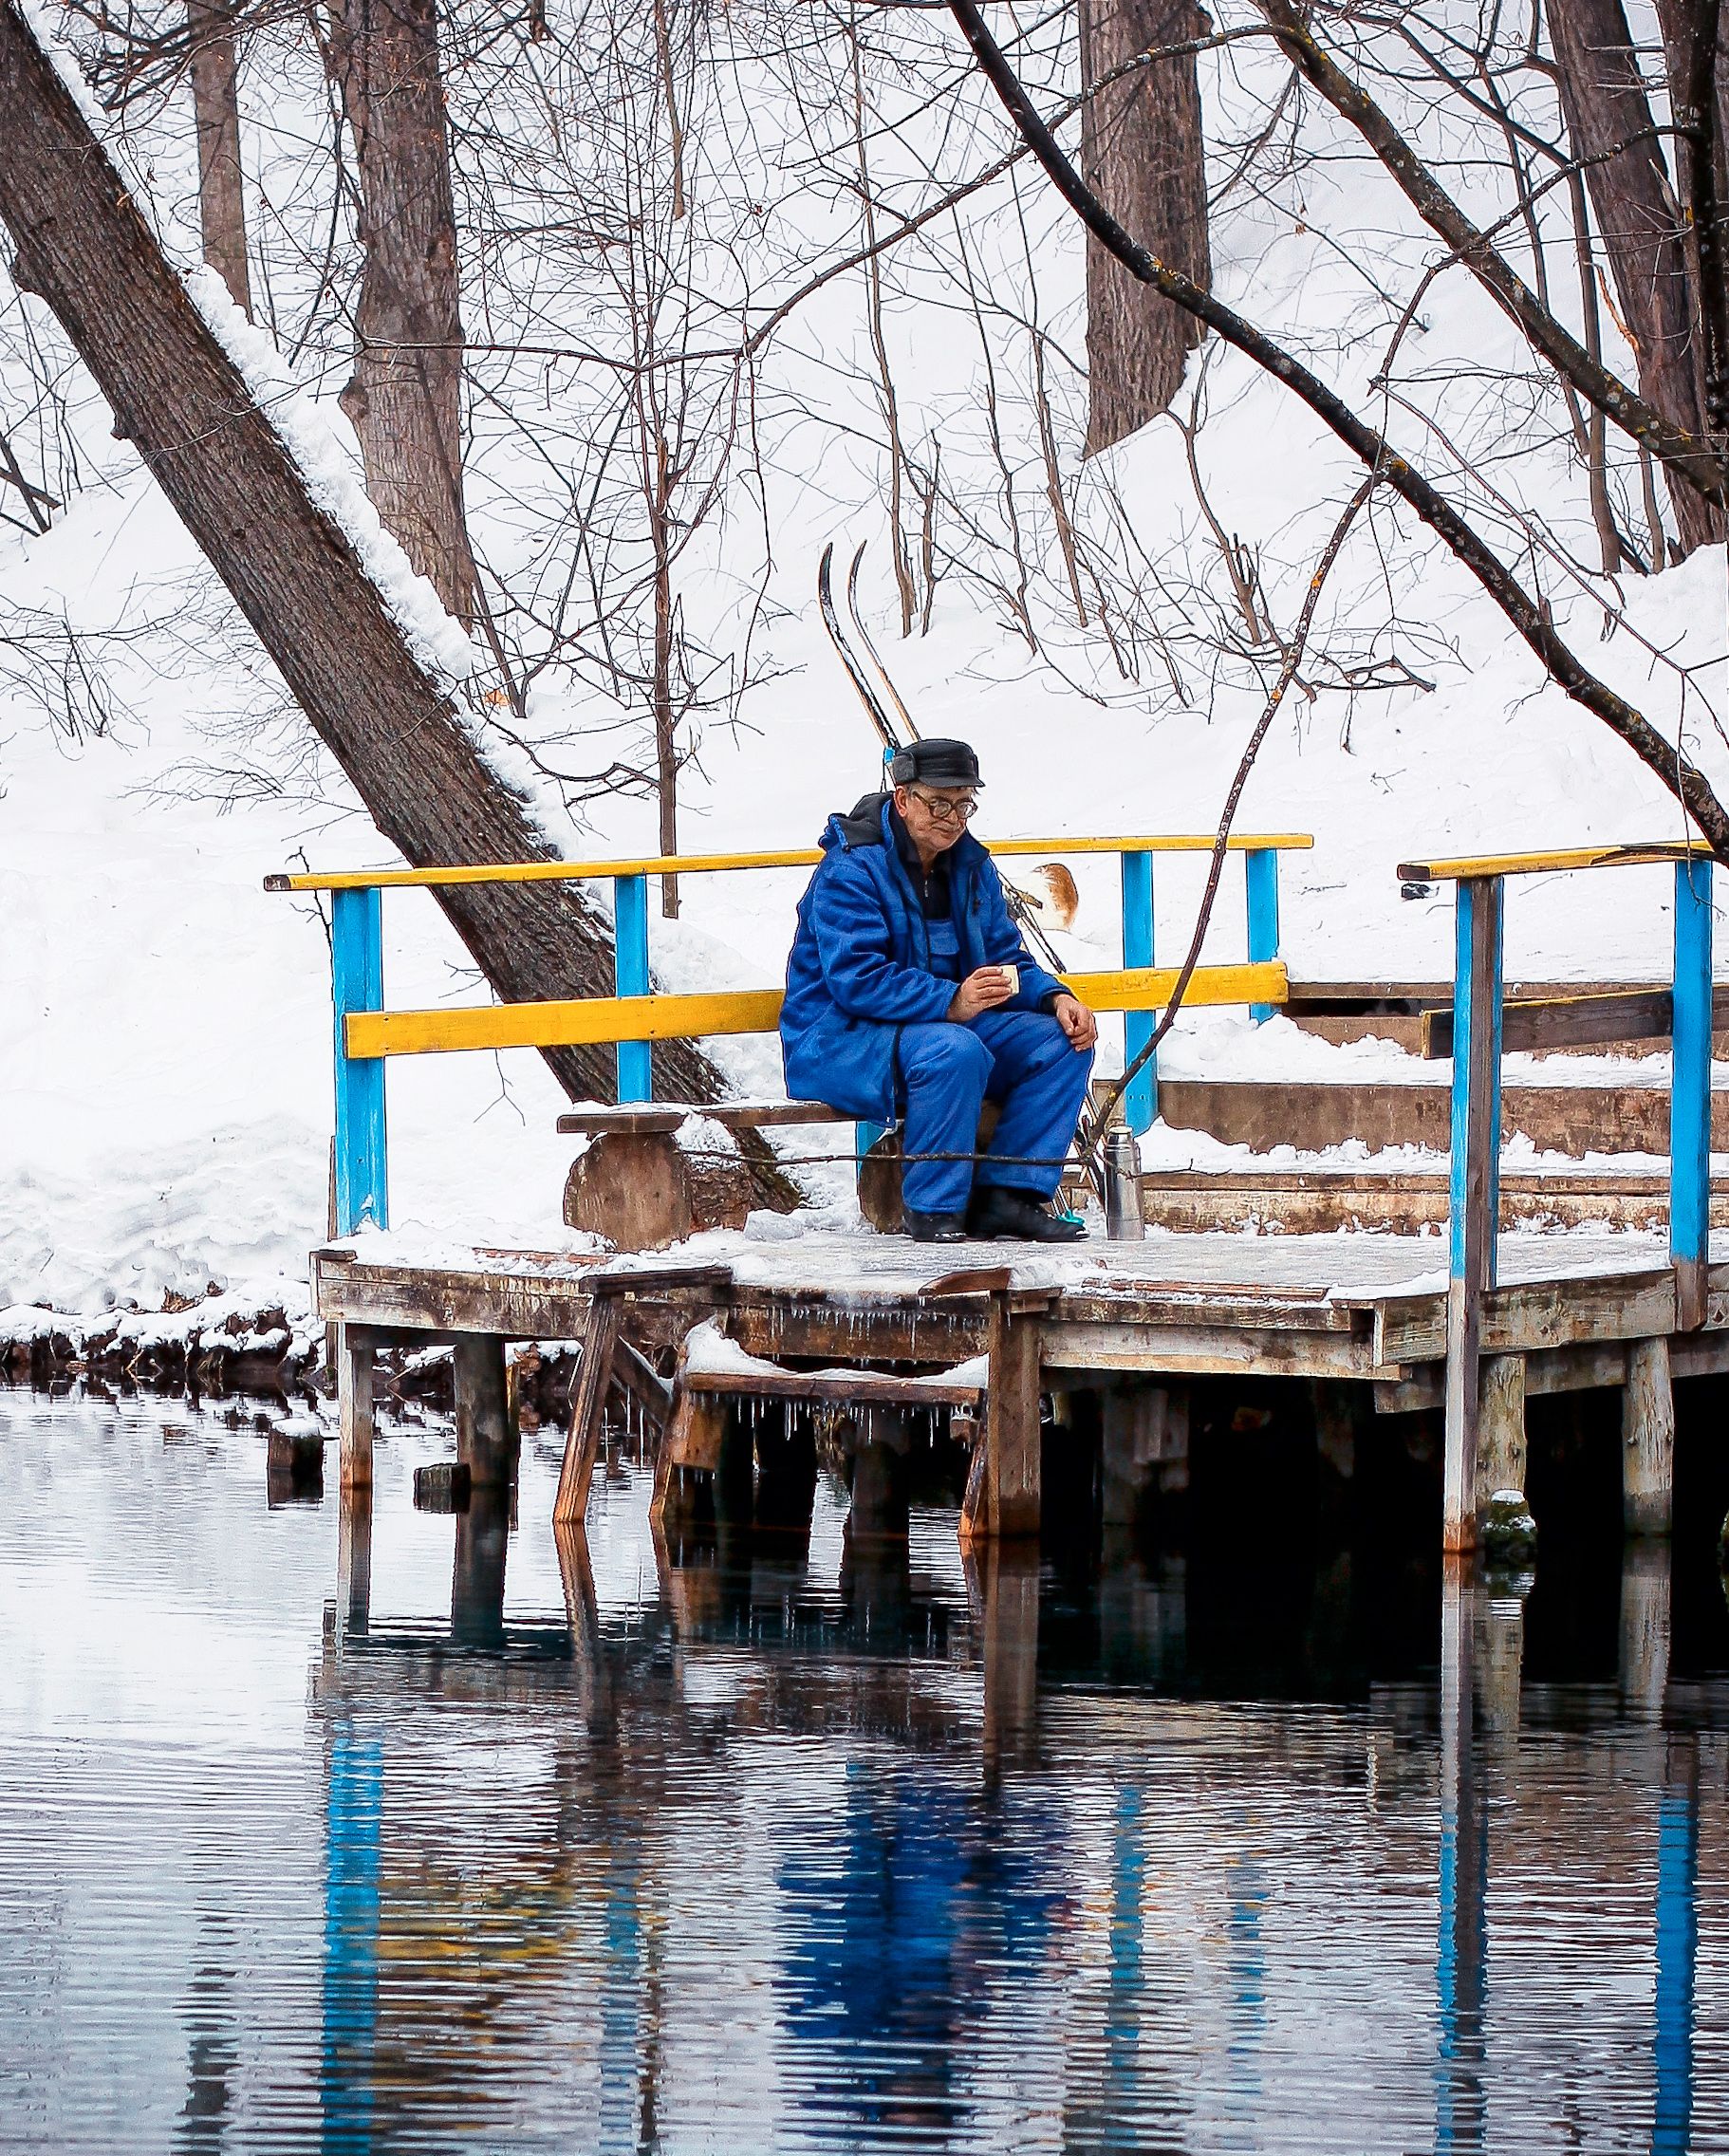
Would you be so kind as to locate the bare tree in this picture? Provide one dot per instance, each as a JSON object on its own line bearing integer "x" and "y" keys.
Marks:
{"x": 215, "y": 100}
{"x": 83, "y": 247}
{"x": 1614, "y": 133}
{"x": 1141, "y": 148}
{"x": 405, "y": 397}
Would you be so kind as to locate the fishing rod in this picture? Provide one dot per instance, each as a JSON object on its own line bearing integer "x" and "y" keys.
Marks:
{"x": 837, "y": 635}
{"x": 1020, "y": 904}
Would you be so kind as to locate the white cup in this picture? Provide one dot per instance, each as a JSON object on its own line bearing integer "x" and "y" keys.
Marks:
{"x": 1014, "y": 973}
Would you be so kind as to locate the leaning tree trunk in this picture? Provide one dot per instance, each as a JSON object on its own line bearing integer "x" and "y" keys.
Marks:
{"x": 215, "y": 105}
{"x": 1604, "y": 100}
{"x": 1142, "y": 150}
{"x": 405, "y": 395}
{"x": 83, "y": 246}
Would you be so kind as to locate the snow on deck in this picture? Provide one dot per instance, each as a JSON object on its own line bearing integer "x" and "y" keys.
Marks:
{"x": 1347, "y": 1265}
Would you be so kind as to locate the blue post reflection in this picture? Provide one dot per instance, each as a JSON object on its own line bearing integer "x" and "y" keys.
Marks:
{"x": 1462, "y": 1946}
{"x": 1122, "y": 2024}
{"x": 354, "y": 1808}
{"x": 619, "y": 2007}
{"x": 1677, "y": 1949}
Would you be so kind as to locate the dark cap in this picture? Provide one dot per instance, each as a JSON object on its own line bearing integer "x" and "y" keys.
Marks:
{"x": 935, "y": 762}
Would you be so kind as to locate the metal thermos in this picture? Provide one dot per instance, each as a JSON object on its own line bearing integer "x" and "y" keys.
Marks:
{"x": 1122, "y": 1221}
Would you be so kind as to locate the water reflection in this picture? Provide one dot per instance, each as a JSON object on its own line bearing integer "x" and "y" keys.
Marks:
{"x": 831, "y": 1841}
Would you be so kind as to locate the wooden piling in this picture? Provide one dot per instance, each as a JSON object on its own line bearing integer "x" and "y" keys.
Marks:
{"x": 1002, "y": 1578}
{"x": 692, "y": 1439}
{"x": 476, "y": 1590}
{"x": 880, "y": 1451}
{"x": 1648, "y": 1440}
{"x": 1474, "y": 1199}
{"x": 1643, "y": 1660}
{"x": 486, "y": 1436}
{"x": 1003, "y": 1500}
{"x": 354, "y": 1350}
{"x": 354, "y": 1556}
{"x": 1502, "y": 1450}
{"x": 588, "y": 1412}
{"x": 1144, "y": 1449}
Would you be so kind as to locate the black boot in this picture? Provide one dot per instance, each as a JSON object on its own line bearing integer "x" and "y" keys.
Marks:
{"x": 934, "y": 1227}
{"x": 1000, "y": 1211}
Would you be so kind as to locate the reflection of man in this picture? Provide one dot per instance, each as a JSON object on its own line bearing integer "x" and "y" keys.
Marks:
{"x": 910, "y": 993}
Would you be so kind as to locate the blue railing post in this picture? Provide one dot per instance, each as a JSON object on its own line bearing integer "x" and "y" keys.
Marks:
{"x": 1475, "y": 1193}
{"x": 1690, "y": 1093}
{"x": 631, "y": 976}
{"x": 1261, "y": 873}
{"x": 357, "y": 983}
{"x": 1141, "y": 1100}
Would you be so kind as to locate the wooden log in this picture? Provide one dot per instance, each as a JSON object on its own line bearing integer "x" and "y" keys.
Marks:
{"x": 354, "y": 1351}
{"x": 642, "y": 1191}
{"x": 296, "y": 1457}
{"x": 487, "y": 1440}
{"x": 1648, "y": 1440}
{"x": 879, "y": 1201}
{"x": 1500, "y": 1432}
{"x": 443, "y": 1487}
{"x": 587, "y": 1411}
{"x": 1007, "y": 1502}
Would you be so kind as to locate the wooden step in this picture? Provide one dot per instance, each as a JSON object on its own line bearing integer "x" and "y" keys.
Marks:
{"x": 1318, "y": 1202}
{"x": 1315, "y": 1115}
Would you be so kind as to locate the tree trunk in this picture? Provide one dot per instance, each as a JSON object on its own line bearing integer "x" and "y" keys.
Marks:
{"x": 1142, "y": 150}
{"x": 405, "y": 397}
{"x": 1604, "y": 100}
{"x": 1699, "y": 105}
{"x": 215, "y": 105}
{"x": 83, "y": 246}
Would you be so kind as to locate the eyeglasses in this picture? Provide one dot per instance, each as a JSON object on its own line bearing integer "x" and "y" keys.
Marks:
{"x": 944, "y": 812}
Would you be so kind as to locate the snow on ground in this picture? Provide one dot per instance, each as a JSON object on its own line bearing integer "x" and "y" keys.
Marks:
{"x": 165, "y": 1062}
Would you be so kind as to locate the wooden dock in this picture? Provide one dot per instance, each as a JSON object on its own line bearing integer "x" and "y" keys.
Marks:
{"x": 982, "y": 1334}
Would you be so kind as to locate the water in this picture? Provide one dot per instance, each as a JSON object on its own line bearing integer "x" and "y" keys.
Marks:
{"x": 811, "y": 1850}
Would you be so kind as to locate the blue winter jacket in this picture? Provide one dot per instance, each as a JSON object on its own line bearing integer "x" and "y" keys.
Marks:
{"x": 861, "y": 963}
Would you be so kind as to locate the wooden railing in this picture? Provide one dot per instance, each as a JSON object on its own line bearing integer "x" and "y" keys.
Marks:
{"x": 366, "y": 1035}
{"x": 1477, "y": 1043}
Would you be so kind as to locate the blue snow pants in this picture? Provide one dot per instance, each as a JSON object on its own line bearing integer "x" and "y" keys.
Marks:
{"x": 1021, "y": 1059}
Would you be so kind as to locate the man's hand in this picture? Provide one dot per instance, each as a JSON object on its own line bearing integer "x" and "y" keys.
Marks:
{"x": 980, "y": 991}
{"x": 1076, "y": 1021}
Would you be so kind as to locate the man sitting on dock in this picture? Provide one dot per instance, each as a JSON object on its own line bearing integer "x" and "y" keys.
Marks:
{"x": 911, "y": 995}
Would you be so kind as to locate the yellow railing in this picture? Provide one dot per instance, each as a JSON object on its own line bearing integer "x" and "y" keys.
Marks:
{"x": 717, "y": 863}
{"x": 367, "y": 1034}
{"x": 598, "y": 1019}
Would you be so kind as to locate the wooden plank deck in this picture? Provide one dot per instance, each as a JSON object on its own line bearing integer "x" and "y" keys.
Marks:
{"x": 1567, "y": 1311}
{"x": 1357, "y": 1305}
